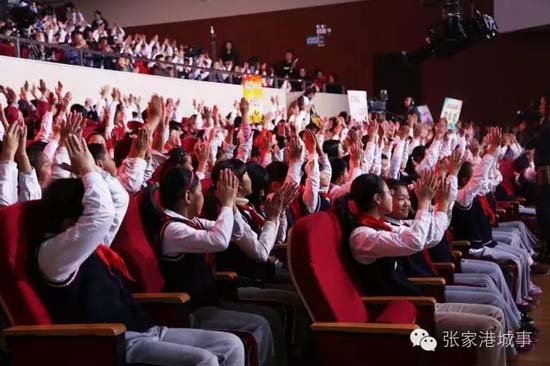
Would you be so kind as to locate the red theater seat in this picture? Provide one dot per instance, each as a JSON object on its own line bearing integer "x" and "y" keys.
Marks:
{"x": 354, "y": 330}
{"x": 132, "y": 244}
{"x": 32, "y": 339}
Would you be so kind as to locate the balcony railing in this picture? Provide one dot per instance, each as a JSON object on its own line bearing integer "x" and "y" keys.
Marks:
{"x": 65, "y": 54}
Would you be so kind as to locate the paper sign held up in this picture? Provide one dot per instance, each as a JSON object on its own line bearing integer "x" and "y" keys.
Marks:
{"x": 358, "y": 105}
{"x": 451, "y": 111}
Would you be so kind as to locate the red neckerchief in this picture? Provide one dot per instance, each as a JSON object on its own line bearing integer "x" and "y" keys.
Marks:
{"x": 259, "y": 221}
{"x": 376, "y": 224}
{"x": 379, "y": 224}
{"x": 113, "y": 261}
{"x": 209, "y": 258}
{"x": 296, "y": 207}
{"x": 487, "y": 209}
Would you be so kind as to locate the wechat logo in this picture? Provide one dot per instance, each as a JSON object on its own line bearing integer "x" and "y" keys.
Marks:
{"x": 420, "y": 337}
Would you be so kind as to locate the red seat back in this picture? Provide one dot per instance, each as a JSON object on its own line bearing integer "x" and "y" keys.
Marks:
{"x": 131, "y": 243}
{"x": 507, "y": 171}
{"x": 322, "y": 271}
{"x": 18, "y": 241}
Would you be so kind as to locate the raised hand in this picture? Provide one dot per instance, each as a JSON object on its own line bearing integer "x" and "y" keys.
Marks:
{"x": 294, "y": 149}
{"x": 21, "y": 156}
{"x": 244, "y": 106}
{"x": 140, "y": 144}
{"x": 155, "y": 112}
{"x": 454, "y": 162}
{"x": 310, "y": 141}
{"x": 426, "y": 187}
{"x": 273, "y": 207}
{"x": 494, "y": 139}
{"x": 474, "y": 147}
{"x": 82, "y": 161}
{"x": 404, "y": 132}
{"x": 202, "y": 152}
{"x": 372, "y": 130}
{"x": 355, "y": 149}
{"x": 440, "y": 128}
{"x": 417, "y": 131}
{"x": 289, "y": 192}
{"x": 77, "y": 123}
{"x": 443, "y": 195}
{"x": 59, "y": 90}
{"x": 12, "y": 137}
{"x": 227, "y": 188}
{"x": 42, "y": 86}
{"x": 104, "y": 90}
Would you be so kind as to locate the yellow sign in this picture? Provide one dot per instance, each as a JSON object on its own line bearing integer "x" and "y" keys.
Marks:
{"x": 252, "y": 92}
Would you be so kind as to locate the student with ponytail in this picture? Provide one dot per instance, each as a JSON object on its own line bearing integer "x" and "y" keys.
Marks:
{"x": 376, "y": 247}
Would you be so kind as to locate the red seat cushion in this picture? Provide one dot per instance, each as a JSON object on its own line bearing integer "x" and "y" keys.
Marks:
{"x": 131, "y": 243}
{"x": 19, "y": 243}
{"x": 398, "y": 312}
{"x": 322, "y": 270}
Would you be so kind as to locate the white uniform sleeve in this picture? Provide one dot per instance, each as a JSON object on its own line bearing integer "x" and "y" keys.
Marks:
{"x": 8, "y": 183}
{"x": 29, "y": 188}
{"x": 132, "y": 174}
{"x": 181, "y": 238}
{"x": 61, "y": 256}
{"x": 396, "y": 158}
{"x": 50, "y": 149}
{"x": 431, "y": 157}
{"x": 476, "y": 183}
{"x": 311, "y": 192}
{"x": 367, "y": 244}
{"x": 120, "y": 200}
{"x": 256, "y": 247}
{"x": 61, "y": 160}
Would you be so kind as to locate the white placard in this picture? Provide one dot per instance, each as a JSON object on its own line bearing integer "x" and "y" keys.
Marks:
{"x": 358, "y": 105}
{"x": 451, "y": 111}
{"x": 425, "y": 114}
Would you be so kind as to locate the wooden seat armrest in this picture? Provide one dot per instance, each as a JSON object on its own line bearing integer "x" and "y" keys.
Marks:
{"x": 227, "y": 276}
{"x": 364, "y": 328}
{"x": 457, "y": 254}
{"x": 162, "y": 297}
{"x": 428, "y": 281}
{"x": 445, "y": 265}
{"x": 461, "y": 243}
{"x": 66, "y": 330}
{"x": 280, "y": 247}
{"x": 417, "y": 300}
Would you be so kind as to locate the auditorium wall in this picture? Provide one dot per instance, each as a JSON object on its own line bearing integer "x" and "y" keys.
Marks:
{"x": 494, "y": 78}
{"x": 85, "y": 82}
{"x": 145, "y": 12}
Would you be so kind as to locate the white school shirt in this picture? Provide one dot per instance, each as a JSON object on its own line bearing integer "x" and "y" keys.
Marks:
{"x": 368, "y": 244}
{"x": 60, "y": 256}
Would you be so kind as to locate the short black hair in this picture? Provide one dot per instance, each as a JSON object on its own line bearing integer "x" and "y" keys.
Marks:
{"x": 235, "y": 165}
{"x": 277, "y": 171}
{"x": 260, "y": 182}
{"x": 122, "y": 149}
{"x": 63, "y": 201}
{"x": 79, "y": 108}
{"x": 98, "y": 151}
{"x": 173, "y": 184}
{"x": 34, "y": 151}
{"x": 330, "y": 147}
{"x": 339, "y": 166}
